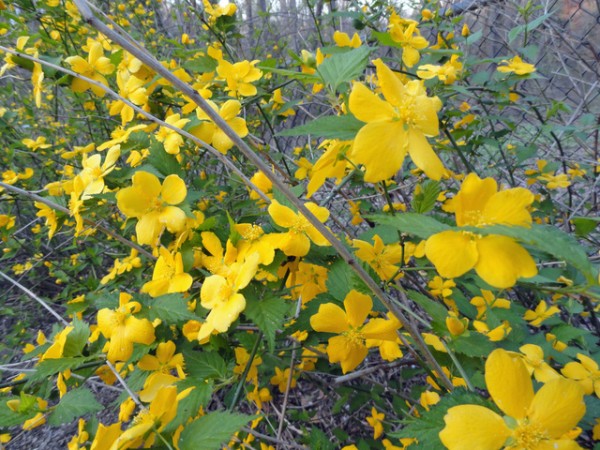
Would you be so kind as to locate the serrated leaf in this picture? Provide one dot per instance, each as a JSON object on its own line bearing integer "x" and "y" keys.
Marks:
{"x": 162, "y": 161}
{"x": 171, "y": 309}
{"x": 424, "y": 201}
{"x": 412, "y": 223}
{"x": 435, "y": 310}
{"x": 585, "y": 225}
{"x": 50, "y": 367}
{"x": 10, "y": 418}
{"x": 474, "y": 345}
{"x": 268, "y": 314}
{"x": 330, "y": 127}
{"x": 344, "y": 67}
{"x": 76, "y": 339}
{"x": 74, "y": 404}
{"x": 201, "y": 64}
{"x": 210, "y": 431}
{"x": 339, "y": 280}
{"x": 516, "y": 31}
{"x": 204, "y": 365}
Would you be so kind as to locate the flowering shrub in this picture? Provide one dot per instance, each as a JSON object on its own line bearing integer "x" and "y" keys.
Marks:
{"x": 217, "y": 237}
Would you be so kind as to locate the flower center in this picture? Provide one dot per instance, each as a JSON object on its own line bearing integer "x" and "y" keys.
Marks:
{"x": 355, "y": 336}
{"x": 300, "y": 225}
{"x": 529, "y": 435}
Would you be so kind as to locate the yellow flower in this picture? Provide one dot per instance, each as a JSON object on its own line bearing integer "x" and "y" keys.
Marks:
{"x": 446, "y": 73}
{"x": 93, "y": 173}
{"x": 535, "y": 421}
{"x": 382, "y": 258}
{"x": 488, "y": 301}
{"x": 349, "y": 347}
{"x": 162, "y": 410}
{"x": 153, "y": 204}
{"x": 498, "y": 260}
{"x": 533, "y": 357}
{"x": 516, "y": 65}
{"x": 376, "y": 422}
{"x": 307, "y": 281}
{"x": 220, "y": 295}
{"x": 132, "y": 88}
{"x": 58, "y": 345}
{"x": 496, "y": 334}
{"x": 165, "y": 359}
{"x": 171, "y": 139}
{"x": 395, "y": 126}
{"x": 210, "y": 133}
{"x": 406, "y": 33}
{"x": 296, "y": 242}
{"x": 343, "y": 40}
{"x": 280, "y": 379}
{"x": 122, "y": 328}
{"x": 541, "y": 313}
{"x": 50, "y": 215}
{"x": 440, "y": 287}
{"x": 239, "y": 77}
{"x": 331, "y": 164}
{"x": 586, "y": 372}
{"x": 254, "y": 240}
{"x": 168, "y": 276}
{"x": 94, "y": 68}
{"x": 241, "y": 359}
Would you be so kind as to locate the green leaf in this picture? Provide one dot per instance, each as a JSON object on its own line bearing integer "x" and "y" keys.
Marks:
{"x": 330, "y": 127}
{"x": 201, "y": 64}
{"x": 304, "y": 77}
{"x": 268, "y": 314}
{"x": 344, "y": 67}
{"x": 548, "y": 239}
{"x": 74, "y": 404}
{"x": 585, "y": 225}
{"x": 437, "y": 312}
{"x": 204, "y": 365}
{"x": 516, "y": 31}
{"x": 212, "y": 430}
{"x": 10, "y": 418}
{"x": 76, "y": 339}
{"x": 162, "y": 161}
{"x": 424, "y": 201}
{"x": 171, "y": 309}
{"x": 339, "y": 280}
{"x": 50, "y": 367}
{"x": 412, "y": 223}
{"x": 474, "y": 345}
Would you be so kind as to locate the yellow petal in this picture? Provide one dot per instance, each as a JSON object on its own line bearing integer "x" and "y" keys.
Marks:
{"x": 282, "y": 215}
{"x": 391, "y": 86}
{"x": 173, "y": 190}
{"x": 509, "y": 207}
{"x": 509, "y": 383}
{"x": 149, "y": 228}
{"x": 473, "y": 195}
{"x": 381, "y": 329}
{"x": 358, "y": 306}
{"x": 381, "y": 148}
{"x": 346, "y": 352}
{"x": 329, "y": 319}
{"x": 470, "y": 427}
{"x": 423, "y": 156}
{"x": 502, "y": 261}
{"x": 452, "y": 253}
{"x": 224, "y": 314}
{"x": 213, "y": 291}
{"x": 558, "y": 406}
{"x": 368, "y": 107}
{"x": 173, "y": 217}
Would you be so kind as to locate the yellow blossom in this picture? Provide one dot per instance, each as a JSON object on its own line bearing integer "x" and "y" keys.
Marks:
{"x": 382, "y": 258}
{"x": 440, "y": 287}
{"x": 280, "y": 379}
{"x": 168, "y": 276}
{"x": 516, "y": 65}
{"x": 533, "y": 357}
{"x": 153, "y": 204}
{"x": 239, "y": 77}
{"x": 585, "y": 372}
{"x": 296, "y": 242}
{"x": 123, "y": 329}
{"x": 406, "y": 33}
{"x": 343, "y": 40}
{"x": 349, "y": 346}
{"x": 171, "y": 139}
{"x": 534, "y": 421}
{"x": 541, "y": 313}
{"x": 498, "y": 260}
{"x": 96, "y": 66}
{"x": 488, "y": 301}
{"x": 375, "y": 421}
{"x": 210, "y": 133}
{"x": 394, "y": 127}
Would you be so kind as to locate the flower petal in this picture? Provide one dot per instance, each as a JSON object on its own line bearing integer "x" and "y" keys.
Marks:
{"x": 473, "y": 427}
{"x": 452, "y": 253}
{"x": 381, "y": 148}
{"x": 558, "y": 406}
{"x": 502, "y": 261}
{"x": 358, "y": 306}
{"x": 423, "y": 156}
{"x": 329, "y": 319}
{"x": 509, "y": 383}
{"x": 173, "y": 190}
{"x": 509, "y": 207}
{"x": 367, "y": 106}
